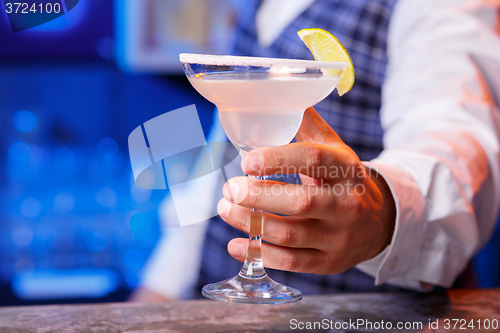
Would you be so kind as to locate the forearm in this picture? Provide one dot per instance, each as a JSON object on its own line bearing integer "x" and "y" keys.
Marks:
{"x": 437, "y": 227}
{"x": 441, "y": 160}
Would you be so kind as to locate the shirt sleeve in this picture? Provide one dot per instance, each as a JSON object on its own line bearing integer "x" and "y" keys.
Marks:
{"x": 441, "y": 139}
{"x": 173, "y": 267}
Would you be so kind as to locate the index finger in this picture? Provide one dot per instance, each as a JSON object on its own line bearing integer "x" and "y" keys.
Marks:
{"x": 311, "y": 159}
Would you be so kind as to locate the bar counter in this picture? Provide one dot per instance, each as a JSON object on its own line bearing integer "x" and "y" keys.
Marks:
{"x": 334, "y": 313}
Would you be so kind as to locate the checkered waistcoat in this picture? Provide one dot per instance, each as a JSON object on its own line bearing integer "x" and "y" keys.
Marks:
{"x": 362, "y": 26}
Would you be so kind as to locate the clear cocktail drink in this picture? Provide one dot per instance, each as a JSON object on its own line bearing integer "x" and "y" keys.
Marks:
{"x": 261, "y": 102}
{"x": 262, "y": 109}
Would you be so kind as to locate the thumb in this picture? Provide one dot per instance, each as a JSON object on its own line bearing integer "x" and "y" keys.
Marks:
{"x": 315, "y": 129}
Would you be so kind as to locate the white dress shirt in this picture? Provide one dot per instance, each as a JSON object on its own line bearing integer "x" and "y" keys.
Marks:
{"x": 441, "y": 139}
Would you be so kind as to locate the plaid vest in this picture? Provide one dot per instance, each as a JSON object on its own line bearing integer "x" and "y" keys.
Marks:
{"x": 362, "y": 26}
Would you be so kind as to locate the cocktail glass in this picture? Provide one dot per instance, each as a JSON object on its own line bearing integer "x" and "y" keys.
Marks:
{"x": 261, "y": 102}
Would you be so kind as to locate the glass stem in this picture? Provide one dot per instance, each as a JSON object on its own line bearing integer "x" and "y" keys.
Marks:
{"x": 253, "y": 267}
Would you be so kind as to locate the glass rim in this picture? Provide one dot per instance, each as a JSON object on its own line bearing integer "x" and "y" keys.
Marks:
{"x": 228, "y": 60}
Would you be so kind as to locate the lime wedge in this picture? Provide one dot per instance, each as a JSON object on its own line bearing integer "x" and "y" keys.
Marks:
{"x": 325, "y": 47}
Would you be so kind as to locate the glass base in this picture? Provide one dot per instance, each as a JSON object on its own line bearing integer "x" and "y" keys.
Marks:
{"x": 261, "y": 290}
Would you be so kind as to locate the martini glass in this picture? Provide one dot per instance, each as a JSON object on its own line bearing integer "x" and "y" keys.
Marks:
{"x": 261, "y": 102}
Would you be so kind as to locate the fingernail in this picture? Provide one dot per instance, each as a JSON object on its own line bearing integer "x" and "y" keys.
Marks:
{"x": 236, "y": 249}
{"x": 231, "y": 190}
{"x": 253, "y": 163}
{"x": 223, "y": 208}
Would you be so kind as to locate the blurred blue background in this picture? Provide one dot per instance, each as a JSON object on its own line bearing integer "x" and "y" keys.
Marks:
{"x": 73, "y": 226}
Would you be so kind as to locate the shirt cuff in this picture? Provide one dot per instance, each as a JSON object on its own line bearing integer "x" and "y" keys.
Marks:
{"x": 392, "y": 264}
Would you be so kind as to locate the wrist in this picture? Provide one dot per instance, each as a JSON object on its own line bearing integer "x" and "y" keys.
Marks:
{"x": 387, "y": 215}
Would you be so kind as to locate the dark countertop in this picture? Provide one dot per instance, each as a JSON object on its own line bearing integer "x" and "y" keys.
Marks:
{"x": 211, "y": 316}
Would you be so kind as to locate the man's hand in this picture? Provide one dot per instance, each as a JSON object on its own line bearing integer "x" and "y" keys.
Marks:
{"x": 341, "y": 215}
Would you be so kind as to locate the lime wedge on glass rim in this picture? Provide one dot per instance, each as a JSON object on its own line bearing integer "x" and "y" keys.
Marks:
{"x": 325, "y": 47}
